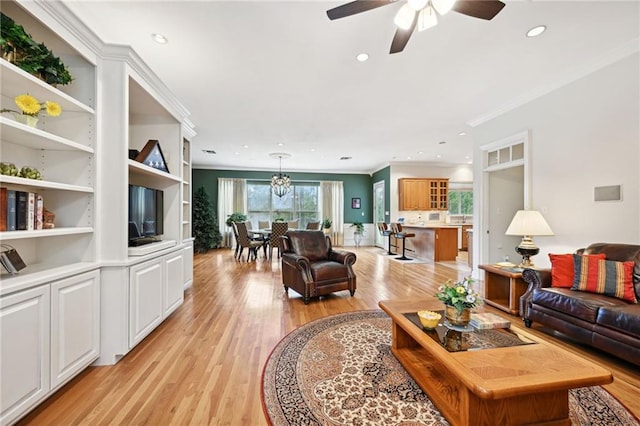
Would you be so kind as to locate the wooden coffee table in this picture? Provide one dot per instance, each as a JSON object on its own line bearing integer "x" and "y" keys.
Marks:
{"x": 526, "y": 384}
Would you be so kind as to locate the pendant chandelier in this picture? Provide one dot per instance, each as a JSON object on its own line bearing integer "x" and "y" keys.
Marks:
{"x": 280, "y": 183}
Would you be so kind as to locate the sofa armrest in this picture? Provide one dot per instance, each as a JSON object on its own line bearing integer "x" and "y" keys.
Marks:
{"x": 342, "y": 256}
{"x": 534, "y": 278}
{"x": 298, "y": 262}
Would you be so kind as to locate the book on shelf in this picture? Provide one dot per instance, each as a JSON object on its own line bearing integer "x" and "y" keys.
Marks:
{"x": 11, "y": 210}
{"x": 31, "y": 210}
{"x": 488, "y": 320}
{"x": 21, "y": 210}
{"x": 39, "y": 212}
{"x": 3, "y": 209}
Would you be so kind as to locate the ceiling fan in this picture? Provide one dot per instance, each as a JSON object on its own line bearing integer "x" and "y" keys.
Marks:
{"x": 420, "y": 13}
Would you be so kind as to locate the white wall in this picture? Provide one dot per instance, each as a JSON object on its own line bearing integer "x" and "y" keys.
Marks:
{"x": 583, "y": 135}
{"x": 461, "y": 173}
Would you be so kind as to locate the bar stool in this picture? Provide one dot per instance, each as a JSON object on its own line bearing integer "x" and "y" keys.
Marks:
{"x": 385, "y": 232}
{"x": 397, "y": 230}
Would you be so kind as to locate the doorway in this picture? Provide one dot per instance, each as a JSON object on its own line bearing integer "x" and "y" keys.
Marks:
{"x": 505, "y": 190}
{"x": 378, "y": 212}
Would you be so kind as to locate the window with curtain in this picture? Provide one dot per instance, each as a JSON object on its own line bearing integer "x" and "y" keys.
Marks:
{"x": 301, "y": 203}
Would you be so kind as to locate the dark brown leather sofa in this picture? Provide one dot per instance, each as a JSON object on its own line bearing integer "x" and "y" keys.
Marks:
{"x": 605, "y": 322}
{"x": 311, "y": 267}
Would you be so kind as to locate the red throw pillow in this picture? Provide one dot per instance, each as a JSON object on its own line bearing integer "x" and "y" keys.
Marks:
{"x": 604, "y": 277}
{"x": 562, "y": 268}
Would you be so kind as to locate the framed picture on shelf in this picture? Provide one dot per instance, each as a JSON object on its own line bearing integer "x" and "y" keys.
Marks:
{"x": 152, "y": 156}
{"x": 355, "y": 203}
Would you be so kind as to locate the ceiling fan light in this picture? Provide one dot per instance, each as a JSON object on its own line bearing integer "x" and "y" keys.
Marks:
{"x": 427, "y": 19}
{"x": 404, "y": 17}
{"x": 417, "y": 4}
{"x": 442, "y": 6}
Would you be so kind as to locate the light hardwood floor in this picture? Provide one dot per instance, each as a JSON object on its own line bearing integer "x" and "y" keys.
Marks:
{"x": 203, "y": 365}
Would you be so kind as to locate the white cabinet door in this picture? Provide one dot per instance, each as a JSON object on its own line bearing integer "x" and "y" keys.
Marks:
{"x": 75, "y": 325}
{"x": 174, "y": 281}
{"x": 24, "y": 350}
{"x": 145, "y": 299}
{"x": 188, "y": 265}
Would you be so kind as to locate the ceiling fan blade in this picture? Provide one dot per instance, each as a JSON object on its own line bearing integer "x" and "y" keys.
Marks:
{"x": 401, "y": 37}
{"x": 355, "y": 7}
{"x": 483, "y": 9}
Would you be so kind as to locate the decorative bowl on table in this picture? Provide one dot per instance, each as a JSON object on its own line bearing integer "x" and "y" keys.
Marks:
{"x": 429, "y": 319}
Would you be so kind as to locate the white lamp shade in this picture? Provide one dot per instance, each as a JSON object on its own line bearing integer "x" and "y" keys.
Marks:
{"x": 528, "y": 222}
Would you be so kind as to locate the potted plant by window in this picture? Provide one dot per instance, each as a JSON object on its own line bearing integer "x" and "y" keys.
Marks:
{"x": 326, "y": 225}
{"x": 236, "y": 217}
{"x": 358, "y": 233}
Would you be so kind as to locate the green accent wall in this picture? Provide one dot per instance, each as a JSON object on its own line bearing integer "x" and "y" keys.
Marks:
{"x": 355, "y": 186}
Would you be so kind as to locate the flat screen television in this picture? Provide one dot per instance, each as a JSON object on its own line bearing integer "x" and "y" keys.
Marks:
{"x": 146, "y": 215}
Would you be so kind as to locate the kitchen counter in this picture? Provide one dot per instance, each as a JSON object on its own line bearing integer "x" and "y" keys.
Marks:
{"x": 433, "y": 242}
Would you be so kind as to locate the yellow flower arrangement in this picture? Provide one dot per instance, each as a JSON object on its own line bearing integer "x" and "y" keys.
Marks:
{"x": 29, "y": 105}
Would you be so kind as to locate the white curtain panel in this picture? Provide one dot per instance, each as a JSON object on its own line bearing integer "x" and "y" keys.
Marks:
{"x": 332, "y": 207}
{"x": 232, "y": 197}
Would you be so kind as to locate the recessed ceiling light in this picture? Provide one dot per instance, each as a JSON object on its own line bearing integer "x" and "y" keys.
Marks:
{"x": 438, "y": 156}
{"x": 362, "y": 57}
{"x": 462, "y": 134}
{"x": 245, "y": 146}
{"x": 159, "y": 38}
{"x": 536, "y": 31}
{"x": 409, "y": 157}
{"x": 280, "y": 144}
{"x": 420, "y": 152}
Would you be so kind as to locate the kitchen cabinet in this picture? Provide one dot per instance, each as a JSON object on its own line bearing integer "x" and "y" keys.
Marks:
{"x": 422, "y": 194}
{"x": 436, "y": 244}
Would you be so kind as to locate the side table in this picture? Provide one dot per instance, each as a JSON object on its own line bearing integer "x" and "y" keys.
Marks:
{"x": 503, "y": 287}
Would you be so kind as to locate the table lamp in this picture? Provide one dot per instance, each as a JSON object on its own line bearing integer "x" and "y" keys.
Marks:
{"x": 528, "y": 223}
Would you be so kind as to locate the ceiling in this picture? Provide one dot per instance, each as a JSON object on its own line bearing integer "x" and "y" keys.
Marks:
{"x": 262, "y": 77}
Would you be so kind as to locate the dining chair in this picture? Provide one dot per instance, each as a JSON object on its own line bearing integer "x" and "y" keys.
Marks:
{"x": 277, "y": 230}
{"x": 263, "y": 224}
{"x": 234, "y": 228}
{"x": 314, "y": 226}
{"x": 245, "y": 241}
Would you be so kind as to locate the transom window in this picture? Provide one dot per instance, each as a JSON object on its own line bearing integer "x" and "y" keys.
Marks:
{"x": 301, "y": 203}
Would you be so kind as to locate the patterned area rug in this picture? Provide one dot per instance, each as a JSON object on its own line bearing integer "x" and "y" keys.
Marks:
{"x": 339, "y": 370}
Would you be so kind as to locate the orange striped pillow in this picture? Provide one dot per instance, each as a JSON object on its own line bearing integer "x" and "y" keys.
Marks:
{"x": 606, "y": 277}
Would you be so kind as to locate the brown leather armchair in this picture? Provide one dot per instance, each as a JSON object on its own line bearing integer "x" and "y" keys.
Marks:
{"x": 311, "y": 267}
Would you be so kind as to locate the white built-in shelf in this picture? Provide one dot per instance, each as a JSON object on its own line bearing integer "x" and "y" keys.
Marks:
{"x": 13, "y": 84}
{"x": 55, "y": 232}
{"x": 44, "y": 184}
{"x": 31, "y": 137}
{"x": 41, "y": 273}
{"x": 137, "y": 167}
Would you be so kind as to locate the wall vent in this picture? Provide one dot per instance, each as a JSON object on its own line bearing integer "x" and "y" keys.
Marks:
{"x": 607, "y": 193}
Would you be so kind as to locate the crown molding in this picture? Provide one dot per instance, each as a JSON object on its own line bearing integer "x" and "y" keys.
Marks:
{"x": 627, "y": 49}
{"x": 146, "y": 77}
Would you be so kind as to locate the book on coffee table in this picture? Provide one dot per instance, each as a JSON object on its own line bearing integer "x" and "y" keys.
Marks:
{"x": 487, "y": 320}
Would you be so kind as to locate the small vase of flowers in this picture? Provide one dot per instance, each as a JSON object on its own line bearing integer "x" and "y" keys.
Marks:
{"x": 31, "y": 108}
{"x": 459, "y": 298}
